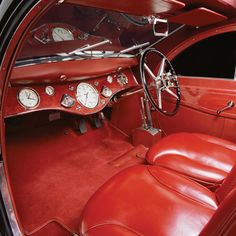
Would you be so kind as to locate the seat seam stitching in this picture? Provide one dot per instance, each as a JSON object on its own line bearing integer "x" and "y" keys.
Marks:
{"x": 192, "y": 160}
{"x": 187, "y": 196}
{"x": 196, "y": 179}
{"x": 120, "y": 225}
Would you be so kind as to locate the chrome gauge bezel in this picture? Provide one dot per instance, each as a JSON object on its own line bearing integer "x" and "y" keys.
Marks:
{"x": 93, "y": 88}
{"x": 106, "y": 92}
{"x": 25, "y": 106}
{"x": 51, "y": 89}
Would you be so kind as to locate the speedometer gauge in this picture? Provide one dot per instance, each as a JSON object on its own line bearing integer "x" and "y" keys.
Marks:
{"x": 28, "y": 98}
{"x": 61, "y": 34}
{"x": 87, "y": 95}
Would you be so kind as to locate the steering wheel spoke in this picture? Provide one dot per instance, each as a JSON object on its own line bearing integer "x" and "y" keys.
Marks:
{"x": 171, "y": 93}
{"x": 165, "y": 80}
{"x": 149, "y": 71}
{"x": 162, "y": 67}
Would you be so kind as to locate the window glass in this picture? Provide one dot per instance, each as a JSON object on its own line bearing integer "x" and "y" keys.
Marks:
{"x": 212, "y": 57}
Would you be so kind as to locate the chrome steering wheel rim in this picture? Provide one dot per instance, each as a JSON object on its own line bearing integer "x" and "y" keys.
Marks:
{"x": 161, "y": 84}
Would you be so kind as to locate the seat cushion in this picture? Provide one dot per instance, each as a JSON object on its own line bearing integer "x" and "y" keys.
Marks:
{"x": 148, "y": 200}
{"x": 201, "y": 157}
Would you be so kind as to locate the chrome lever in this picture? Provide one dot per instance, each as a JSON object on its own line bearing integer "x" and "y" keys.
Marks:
{"x": 229, "y": 105}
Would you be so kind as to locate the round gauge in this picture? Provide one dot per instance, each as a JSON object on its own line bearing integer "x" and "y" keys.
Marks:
{"x": 106, "y": 92}
{"x": 49, "y": 90}
{"x": 61, "y": 34}
{"x": 87, "y": 95}
{"x": 28, "y": 98}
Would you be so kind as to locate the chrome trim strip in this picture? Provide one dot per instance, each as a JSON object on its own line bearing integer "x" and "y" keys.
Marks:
{"x": 8, "y": 204}
{"x": 79, "y": 56}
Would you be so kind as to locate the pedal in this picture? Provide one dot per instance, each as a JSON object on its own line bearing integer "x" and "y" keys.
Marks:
{"x": 96, "y": 121}
{"x": 81, "y": 125}
{"x": 101, "y": 116}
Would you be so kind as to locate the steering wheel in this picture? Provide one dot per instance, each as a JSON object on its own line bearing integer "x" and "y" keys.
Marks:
{"x": 156, "y": 83}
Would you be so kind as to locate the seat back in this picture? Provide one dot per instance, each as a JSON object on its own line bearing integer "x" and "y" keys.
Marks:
{"x": 223, "y": 221}
{"x": 227, "y": 186}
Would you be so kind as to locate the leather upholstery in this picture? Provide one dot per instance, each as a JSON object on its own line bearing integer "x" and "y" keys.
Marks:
{"x": 148, "y": 200}
{"x": 201, "y": 157}
{"x": 228, "y": 185}
{"x": 223, "y": 221}
{"x": 152, "y": 200}
{"x": 155, "y": 200}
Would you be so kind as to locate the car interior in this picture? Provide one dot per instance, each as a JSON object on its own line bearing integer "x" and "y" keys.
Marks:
{"x": 120, "y": 119}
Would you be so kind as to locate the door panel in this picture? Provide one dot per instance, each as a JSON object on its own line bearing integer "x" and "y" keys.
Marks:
{"x": 208, "y": 95}
{"x": 200, "y": 100}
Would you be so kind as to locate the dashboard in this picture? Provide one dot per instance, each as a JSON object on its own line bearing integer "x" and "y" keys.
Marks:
{"x": 81, "y": 97}
{"x": 45, "y": 79}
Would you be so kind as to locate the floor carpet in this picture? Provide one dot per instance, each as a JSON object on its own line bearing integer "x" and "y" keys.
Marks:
{"x": 55, "y": 170}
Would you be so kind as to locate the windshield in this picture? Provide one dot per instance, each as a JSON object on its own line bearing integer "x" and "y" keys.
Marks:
{"x": 69, "y": 31}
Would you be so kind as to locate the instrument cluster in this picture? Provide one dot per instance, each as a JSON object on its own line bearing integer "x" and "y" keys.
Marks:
{"x": 79, "y": 97}
{"x": 56, "y": 32}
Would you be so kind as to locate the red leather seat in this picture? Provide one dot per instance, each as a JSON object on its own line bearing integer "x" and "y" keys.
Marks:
{"x": 203, "y": 158}
{"x": 154, "y": 201}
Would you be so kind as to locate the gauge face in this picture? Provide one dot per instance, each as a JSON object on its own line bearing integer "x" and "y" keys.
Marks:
{"x": 28, "y": 98}
{"x": 61, "y": 34}
{"x": 87, "y": 95}
{"x": 49, "y": 90}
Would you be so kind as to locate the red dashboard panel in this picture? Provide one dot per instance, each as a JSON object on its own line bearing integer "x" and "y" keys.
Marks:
{"x": 69, "y": 70}
{"x": 13, "y": 107}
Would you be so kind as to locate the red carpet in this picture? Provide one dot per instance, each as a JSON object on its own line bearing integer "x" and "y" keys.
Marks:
{"x": 54, "y": 171}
